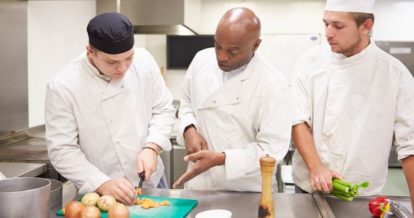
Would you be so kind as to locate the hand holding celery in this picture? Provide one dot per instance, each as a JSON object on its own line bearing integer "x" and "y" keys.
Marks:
{"x": 345, "y": 190}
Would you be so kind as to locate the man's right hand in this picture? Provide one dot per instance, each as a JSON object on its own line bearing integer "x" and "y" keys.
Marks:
{"x": 194, "y": 142}
{"x": 121, "y": 189}
{"x": 321, "y": 178}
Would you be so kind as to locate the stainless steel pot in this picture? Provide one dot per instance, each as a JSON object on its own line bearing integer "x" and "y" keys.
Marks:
{"x": 24, "y": 197}
{"x": 55, "y": 200}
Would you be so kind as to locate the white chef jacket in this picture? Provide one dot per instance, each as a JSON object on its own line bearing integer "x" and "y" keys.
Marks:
{"x": 247, "y": 117}
{"x": 357, "y": 107}
{"x": 96, "y": 128}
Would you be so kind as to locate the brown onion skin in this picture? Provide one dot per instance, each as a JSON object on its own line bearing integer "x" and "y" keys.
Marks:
{"x": 118, "y": 211}
{"x": 90, "y": 212}
{"x": 73, "y": 209}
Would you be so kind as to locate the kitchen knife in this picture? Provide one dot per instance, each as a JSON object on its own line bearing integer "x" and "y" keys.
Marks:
{"x": 141, "y": 176}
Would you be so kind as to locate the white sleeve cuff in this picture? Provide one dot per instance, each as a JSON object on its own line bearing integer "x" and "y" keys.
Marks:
{"x": 301, "y": 118}
{"x": 160, "y": 140}
{"x": 235, "y": 164}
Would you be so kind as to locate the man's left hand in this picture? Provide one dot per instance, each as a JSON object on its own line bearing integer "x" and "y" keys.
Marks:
{"x": 203, "y": 160}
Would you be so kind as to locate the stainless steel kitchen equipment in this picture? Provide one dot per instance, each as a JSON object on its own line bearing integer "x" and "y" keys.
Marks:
{"x": 13, "y": 73}
{"x": 21, "y": 169}
{"x": 55, "y": 199}
{"x": 399, "y": 210}
{"x": 24, "y": 197}
{"x": 156, "y": 16}
{"x": 26, "y": 146}
{"x": 359, "y": 206}
{"x": 403, "y": 51}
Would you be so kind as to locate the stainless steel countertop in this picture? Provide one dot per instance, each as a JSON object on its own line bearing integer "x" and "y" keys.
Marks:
{"x": 14, "y": 169}
{"x": 244, "y": 204}
{"x": 25, "y": 146}
{"x": 290, "y": 205}
{"x": 359, "y": 206}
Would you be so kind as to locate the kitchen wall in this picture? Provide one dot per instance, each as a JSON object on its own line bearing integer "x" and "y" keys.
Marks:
{"x": 57, "y": 33}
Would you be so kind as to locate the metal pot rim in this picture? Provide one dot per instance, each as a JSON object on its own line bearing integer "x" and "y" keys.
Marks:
{"x": 41, "y": 183}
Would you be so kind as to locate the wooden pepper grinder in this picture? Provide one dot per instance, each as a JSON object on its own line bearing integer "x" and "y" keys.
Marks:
{"x": 266, "y": 206}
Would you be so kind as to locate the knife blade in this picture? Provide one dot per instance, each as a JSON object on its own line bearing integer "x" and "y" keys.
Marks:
{"x": 141, "y": 176}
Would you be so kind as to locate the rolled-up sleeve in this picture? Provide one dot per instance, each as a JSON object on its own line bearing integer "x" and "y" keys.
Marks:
{"x": 301, "y": 105}
{"x": 404, "y": 117}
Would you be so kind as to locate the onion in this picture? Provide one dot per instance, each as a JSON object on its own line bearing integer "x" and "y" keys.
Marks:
{"x": 90, "y": 212}
{"x": 90, "y": 199}
{"x": 106, "y": 202}
{"x": 118, "y": 211}
{"x": 73, "y": 209}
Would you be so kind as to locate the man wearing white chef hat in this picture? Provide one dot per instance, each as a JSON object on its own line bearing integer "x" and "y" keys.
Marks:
{"x": 353, "y": 101}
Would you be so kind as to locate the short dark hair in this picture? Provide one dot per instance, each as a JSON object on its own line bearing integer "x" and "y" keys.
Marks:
{"x": 360, "y": 18}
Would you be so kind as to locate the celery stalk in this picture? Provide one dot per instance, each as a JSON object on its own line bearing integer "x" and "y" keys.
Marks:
{"x": 342, "y": 182}
{"x": 340, "y": 187}
{"x": 342, "y": 197}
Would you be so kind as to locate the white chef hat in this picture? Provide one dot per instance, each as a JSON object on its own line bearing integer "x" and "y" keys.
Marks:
{"x": 364, "y": 6}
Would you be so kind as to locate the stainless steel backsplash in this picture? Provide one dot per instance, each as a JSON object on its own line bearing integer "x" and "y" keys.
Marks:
{"x": 13, "y": 66}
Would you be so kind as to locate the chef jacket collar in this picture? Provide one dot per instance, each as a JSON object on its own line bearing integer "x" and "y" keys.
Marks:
{"x": 340, "y": 59}
{"x": 227, "y": 76}
{"x": 94, "y": 70}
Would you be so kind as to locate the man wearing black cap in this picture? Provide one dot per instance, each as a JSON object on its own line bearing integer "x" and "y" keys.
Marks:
{"x": 109, "y": 114}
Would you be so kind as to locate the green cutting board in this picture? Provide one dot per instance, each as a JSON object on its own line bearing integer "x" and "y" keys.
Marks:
{"x": 178, "y": 208}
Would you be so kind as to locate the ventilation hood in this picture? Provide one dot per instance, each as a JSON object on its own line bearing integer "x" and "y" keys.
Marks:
{"x": 172, "y": 17}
